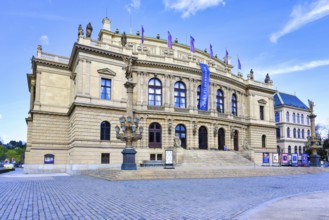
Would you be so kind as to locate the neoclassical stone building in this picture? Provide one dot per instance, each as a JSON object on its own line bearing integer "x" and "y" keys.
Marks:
{"x": 77, "y": 101}
{"x": 293, "y": 123}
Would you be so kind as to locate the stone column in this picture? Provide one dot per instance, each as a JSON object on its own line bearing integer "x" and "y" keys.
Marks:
{"x": 38, "y": 86}
{"x": 139, "y": 88}
{"x": 88, "y": 69}
{"x": 130, "y": 88}
{"x": 165, "y": 91}
{"x": 171, "y": 91}
{"x": 145, "y": 90}
{"x": 80, "y": 77}
{"x": 32, "y": 94}
{"x": 190, "y": 93}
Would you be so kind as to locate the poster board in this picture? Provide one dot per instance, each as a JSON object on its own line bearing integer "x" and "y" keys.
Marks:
{"x": 284, "y": 160}
{"x": 275, "y": 159}
{"x": 266, "y": 159}
{"x": 169, "y": 159}
{"x": 304, "y": 160}
{"x": 294, "y": 160}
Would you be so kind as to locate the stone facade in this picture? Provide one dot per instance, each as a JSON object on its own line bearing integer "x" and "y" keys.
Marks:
{"x": 67, "y": 107}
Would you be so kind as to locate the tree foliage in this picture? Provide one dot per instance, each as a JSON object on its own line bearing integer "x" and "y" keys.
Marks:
{"x": 13, "y": 149}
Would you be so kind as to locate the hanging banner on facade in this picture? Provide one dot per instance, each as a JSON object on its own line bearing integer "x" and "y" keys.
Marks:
{"x": 294, "y": 160}
{"x": 285, "y": 160}
{"x": 275, "y": 159}
{"x": 205, "y": 81}
{"x": 266, "y": 159}
{"x": 304, "y": 159}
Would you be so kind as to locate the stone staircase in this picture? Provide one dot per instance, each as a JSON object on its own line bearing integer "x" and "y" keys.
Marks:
{"x": 214, "y": 158}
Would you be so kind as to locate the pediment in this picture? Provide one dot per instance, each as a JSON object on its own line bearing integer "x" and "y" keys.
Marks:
{"x": 106, "y": 71}
{"x": 262, "y": 101}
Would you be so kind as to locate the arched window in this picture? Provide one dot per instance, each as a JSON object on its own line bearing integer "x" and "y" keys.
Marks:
{"x": 303, "y": 134}
{"x": 155, "y": 135}
{"x": 308, "y": 133}
{"x": 287, "y": 116}
{"x": 307, "y": 120}
{"x": 302, "y": 118}
{"x": 293, "y": 117}
{"x": 221, "y": 139}
{"x": 105, "y": 130}
{"x": 294, "y": 132}
{"x": 288, "y": 132}
{"x": 298, "y": 119}
{"x": 203, "y": 138}
{"x": 236, "y": 140}
{"x": 298, "y": 133}
{"x": 277, "y": 117}
{"x": 234, "y": 105}
{"x": 181, "y": 132}
{"x": 180, "y": 95}
{"x": 49, "y": 159}
{"x": 289, "y": 149}
{"x": 155, "y": 92}
{"x": 295, "y": 149}
{"x": 278, "y": 133}
{"x": 264, "y": 141}
{"x": 198, "y": 95}
{"x": 220, "y": 101}
{"x": 300, "y": 150}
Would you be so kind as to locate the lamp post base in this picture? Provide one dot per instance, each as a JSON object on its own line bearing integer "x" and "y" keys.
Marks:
{"x": 315, "y": 160}
{"x": 128, "y": 159}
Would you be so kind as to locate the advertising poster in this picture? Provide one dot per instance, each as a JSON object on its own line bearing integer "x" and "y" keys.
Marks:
{"x": 169, "y": 162}
{"x": 285, "y": 160}
{"x": 275, "y": 159}
{"x": 266, "y": 159}
{"x": 304, "y": 159}
{"x": 294, "y": 160}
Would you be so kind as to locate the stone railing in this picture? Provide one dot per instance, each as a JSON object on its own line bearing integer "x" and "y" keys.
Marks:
{"x": 53, "y": 57}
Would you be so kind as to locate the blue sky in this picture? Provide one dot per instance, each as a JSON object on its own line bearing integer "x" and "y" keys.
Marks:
{"x": 287, "y": 39}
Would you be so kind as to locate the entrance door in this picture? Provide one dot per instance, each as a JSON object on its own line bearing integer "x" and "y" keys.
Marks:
{"x": 221, "y": 139}
{"x": 236, "y": 140}
{"x": 155, "y": 135}
{"x": 203, "y": 138}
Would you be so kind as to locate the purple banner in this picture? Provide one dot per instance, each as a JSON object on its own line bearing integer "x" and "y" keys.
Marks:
{"x": 205, "y": 81}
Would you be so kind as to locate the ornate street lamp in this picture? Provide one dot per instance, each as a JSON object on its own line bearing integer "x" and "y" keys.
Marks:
{"x": 313, "y": 142}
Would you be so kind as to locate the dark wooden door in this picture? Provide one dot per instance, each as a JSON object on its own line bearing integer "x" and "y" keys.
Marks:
{"x": 203, "y": 138}
{"x": 155, "y": 135}
{"x": 236, "y": 140}
{"x": 221, "y": 139}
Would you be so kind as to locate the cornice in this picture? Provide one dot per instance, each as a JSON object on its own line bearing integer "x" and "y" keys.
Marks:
{"x": 38, "y": 61}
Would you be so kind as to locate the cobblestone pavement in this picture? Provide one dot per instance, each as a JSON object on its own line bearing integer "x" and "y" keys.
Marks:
{"x": 84, "y": 197}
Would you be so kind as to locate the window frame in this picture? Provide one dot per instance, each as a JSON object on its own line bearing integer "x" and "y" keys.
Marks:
{"x": 180, "y": 91}
{"x": 105, "y": 132}
{"x": 220, "y": 101}
{"x": 234, "y": 105}
{"x": 155, "y": 88}
{"x": 109, "y": 87}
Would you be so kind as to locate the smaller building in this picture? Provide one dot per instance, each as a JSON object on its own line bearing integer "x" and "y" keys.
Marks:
{"x": 292, "y": 123}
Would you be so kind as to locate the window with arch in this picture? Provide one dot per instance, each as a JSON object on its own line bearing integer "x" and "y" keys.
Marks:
{"x": 298, "y": 133}
{"x": 198, "y": 95}
{"x": 294, "y": 132}
{"x": 155, "y": 135}
{"x": 221, "y": 139}
{"x": 264, "y": 141}
{"x": 105, "y": 130}
{"x": 293, "y": 117}
{"x": 298, "y": 118}
{"x": 302, "y": 119}
{"x": 278, "y": 132}
{"x": 49, "y": 159}
{"x": 234, "y": 105}
{"x": 180, "y": 95}
{"x": 277, "y": 117}
{"x": 300, "y": 150}
{"x": 295, "y": 149}
{"x": 220, "y": 101}
{"x": 203, "y": 138}
{"x": 303, "y": 134}
{"x": 288, "y": 132}
{"x": 287, "y": 116}
{"x": 155, "y": 92}
{"x": 180, "y": 131}
{"x": 289, "y": 149}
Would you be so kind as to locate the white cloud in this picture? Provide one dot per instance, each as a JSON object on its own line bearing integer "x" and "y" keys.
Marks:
{"x": 190, "y": 7}
{"x": 302, "y": 15}
{"x": 44, "y": 39}
{"x": 134, "y": 5}
{"x": 296, "y": 68}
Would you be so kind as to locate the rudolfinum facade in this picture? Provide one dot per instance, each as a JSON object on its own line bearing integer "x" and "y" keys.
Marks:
{"x": 77, "y": 101}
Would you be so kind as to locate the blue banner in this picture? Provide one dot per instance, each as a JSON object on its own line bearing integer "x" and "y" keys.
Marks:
{"x": 205, "y": 82}
{"x": 266, "y": 158}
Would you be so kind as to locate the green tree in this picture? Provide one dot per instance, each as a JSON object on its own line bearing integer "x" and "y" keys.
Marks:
{"x": 13, "y": 154}
{"x": 2, "y": 153}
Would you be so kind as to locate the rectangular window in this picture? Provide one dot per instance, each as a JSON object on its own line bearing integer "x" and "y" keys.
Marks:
{"x": 261, "y": 112}
{"x": 278, "y": 135}
{"x": 152, "y": 156}
{"x": 105, "y": 158}
{"x": 106, "y": 89}
{"x": 159, "y": 156}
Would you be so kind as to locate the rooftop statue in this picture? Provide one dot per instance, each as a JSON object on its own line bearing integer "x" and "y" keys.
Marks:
{"x": 251, "y": 74}
{"x": 123, "y": 39}
{"x": 267, "y": 78}
{"x": 80, "y": 31}
{"x": 311, "y": 104}
{"x": 89, "y": 30}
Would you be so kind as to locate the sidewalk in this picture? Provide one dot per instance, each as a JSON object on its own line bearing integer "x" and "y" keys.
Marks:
{"x": 303, "y": 206}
